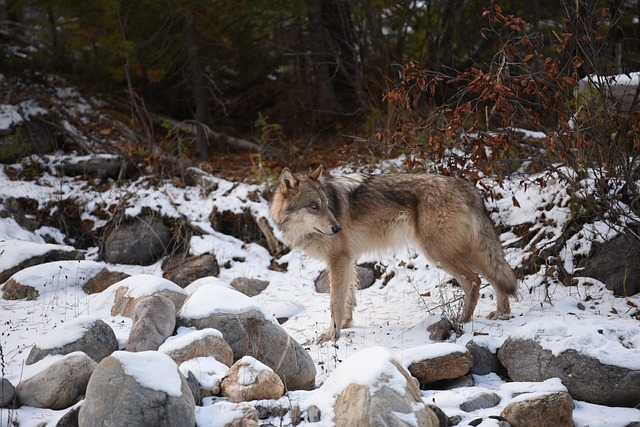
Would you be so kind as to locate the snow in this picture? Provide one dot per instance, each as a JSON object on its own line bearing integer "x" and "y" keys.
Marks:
{"x": 186, "y": 336}
{"x": 390, "y": 319}
{"x": 211, "y": 299}
{"x": 249, "y": 369}
{"x": 152, "y": 369}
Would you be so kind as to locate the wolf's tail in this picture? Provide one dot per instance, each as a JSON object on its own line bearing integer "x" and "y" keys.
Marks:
{"x": 490, "y": 261}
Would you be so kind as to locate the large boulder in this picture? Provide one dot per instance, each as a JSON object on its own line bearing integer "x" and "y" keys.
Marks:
{"x": 86, "y": 334}
{"x": 141, "y": 240}
{"x": 616, "y": 263}
{"x": 141, "y": 389}
{"x": 154, "y": 320}
{"x": 250, "y": 332}
{"x": 59, "y": 385}
{"x": 371, "y": 388}
{"x": 579, "y": 353}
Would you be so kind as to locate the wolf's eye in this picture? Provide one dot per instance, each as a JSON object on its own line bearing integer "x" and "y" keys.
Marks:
{"x": 313, "y": 206}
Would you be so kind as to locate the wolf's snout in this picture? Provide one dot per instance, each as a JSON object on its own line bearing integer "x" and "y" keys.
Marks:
{"x": 336, "y": 228}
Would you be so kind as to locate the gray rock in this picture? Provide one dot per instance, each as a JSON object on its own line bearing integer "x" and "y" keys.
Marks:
{"x": 484, "y": 361}
{"x": 97, "y": 341}
{"x": 249, "y": 286}
{"x": 133, "y": 289}
{"x": 142, "y": 241}
{"x": 209, "y": 342}
{"x": 58, "y": 386}
{"x": 616, "y": 263}
{"x": 550, "y": 410}
{"x": 481, "y": 401}
{"x": 585, "y": 377}
{"x": 365, "y": 274}
{"x": 154, "y": 320}
{"x": 99, "y": 166}
{"x": 118, "y": 395}
{"x": 7, "y": 393}
{"x": 250, "y": 333}
{"x": 70, "y": 419}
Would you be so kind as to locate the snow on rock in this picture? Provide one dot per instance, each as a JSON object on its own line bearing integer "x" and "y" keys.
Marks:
{"x": 614, "y": 342}
{"x": 152, "y": 369}
{"x": 212, "y": 298}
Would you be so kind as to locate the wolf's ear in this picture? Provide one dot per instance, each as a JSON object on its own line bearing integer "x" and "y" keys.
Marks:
{"x": 316, "y": 174}
{"x": 287, "y": 180}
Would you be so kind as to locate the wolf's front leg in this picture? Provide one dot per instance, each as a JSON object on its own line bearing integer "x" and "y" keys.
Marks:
{"x": 342, "y": 278}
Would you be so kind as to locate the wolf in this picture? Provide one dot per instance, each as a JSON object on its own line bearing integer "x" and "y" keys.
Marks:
{"x": 338, "y": 218}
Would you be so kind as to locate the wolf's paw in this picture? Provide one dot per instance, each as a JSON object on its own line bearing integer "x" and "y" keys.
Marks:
{"x": 494, "y": 315}
{"x": 328, "y": 335}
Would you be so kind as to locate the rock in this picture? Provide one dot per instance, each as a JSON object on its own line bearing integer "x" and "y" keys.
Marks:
{"x": 142, "y": 241}
{"x": 194, "y": 386}
{"x": 249, "y": 379}
{"x": 58, "y": 386}
{"x": 233, "y": 414}
{"x": 481, "y": 401}
{"x": 99, "y": 166}
{"x": 86, "y": 334}
{"x": 484, "y": 361}
{"x": 206, "y": 342}
{"x": 7, "y": 393}
{"x": 547, "y": 410}
{"x": 24, "y": 211}
{"x": 70, "y": 419}
{"x": 616, "y": 263}
{"x": 249, "y": 286}
{"x": 183, "y": 270}
{"x": 392, "y": 399}
{"x": 435, "y": 362}
{"x": 245, "y": 227}
{"x": 365, "y": 274}
{"x": 584, "y": 375}
{"x": 132, "y": 289}
{"x": 102, "y": 281}
{"x": 32, "y": 253}
{"x": 208, "y": 373}
{"x": 442, "y": 330}
{"x": 125, "y": 390}
{"x": 44, "y": 280}
{"x": 12, "y": 290}
{"x": 249, "y": 332}
{"x": 154, "y": 320}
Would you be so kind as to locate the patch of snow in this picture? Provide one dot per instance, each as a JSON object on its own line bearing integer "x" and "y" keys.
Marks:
{"x": 211, "y": 299}
{"x": 187, "y": 336}
{"x": 152, "y": 369}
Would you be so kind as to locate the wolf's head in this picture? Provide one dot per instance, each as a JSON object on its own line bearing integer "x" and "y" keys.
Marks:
{"x": 300, "y": 207}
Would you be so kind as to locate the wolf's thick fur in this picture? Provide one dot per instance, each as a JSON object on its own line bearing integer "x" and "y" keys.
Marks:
{"x": 338, "y": 218}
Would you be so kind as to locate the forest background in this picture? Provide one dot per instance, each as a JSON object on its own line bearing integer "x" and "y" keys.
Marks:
{"x": 295, "y": 80}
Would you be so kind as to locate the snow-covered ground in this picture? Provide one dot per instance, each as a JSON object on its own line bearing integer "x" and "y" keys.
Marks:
{"x": 393, "y": 314}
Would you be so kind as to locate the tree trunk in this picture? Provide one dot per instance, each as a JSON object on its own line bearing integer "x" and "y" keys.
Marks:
{"x": 199, "y": 88}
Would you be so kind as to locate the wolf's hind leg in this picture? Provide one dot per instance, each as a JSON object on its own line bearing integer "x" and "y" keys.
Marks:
{"x": 470, "y": 283}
